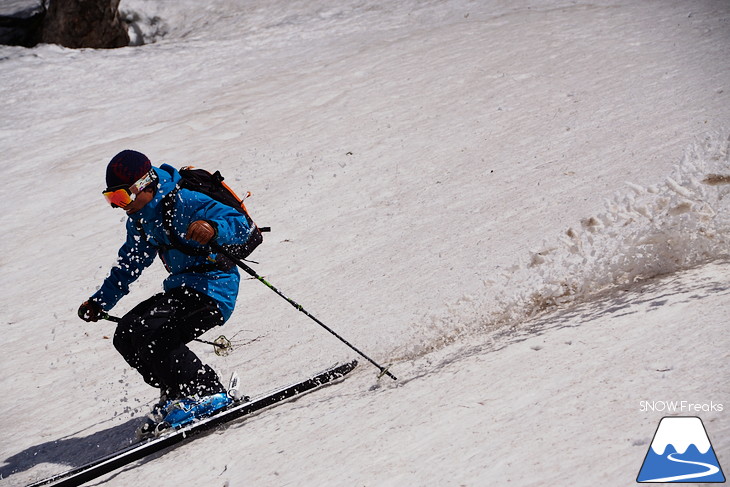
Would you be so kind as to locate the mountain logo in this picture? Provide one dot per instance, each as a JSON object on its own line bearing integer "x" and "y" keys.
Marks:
{"x": 681, "y": 452}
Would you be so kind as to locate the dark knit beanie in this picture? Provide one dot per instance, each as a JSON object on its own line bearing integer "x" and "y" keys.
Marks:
{"x": 126, "y": 168}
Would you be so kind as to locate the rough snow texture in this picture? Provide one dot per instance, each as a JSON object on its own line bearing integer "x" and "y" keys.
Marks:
{"x": 523, "y": 205}
{"x": 650, "y": 231}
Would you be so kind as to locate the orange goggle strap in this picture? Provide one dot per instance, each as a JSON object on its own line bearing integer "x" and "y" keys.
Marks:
{"x": 121, "y": 196}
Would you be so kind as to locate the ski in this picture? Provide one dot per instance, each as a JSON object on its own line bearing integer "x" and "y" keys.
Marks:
{"x": 137, "y": 451}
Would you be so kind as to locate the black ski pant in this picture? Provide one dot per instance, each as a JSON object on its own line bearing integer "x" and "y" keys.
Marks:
{"x": 153, "y": 339}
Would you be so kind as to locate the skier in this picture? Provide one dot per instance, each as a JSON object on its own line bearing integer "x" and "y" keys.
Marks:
{"x": 199, "y": 294}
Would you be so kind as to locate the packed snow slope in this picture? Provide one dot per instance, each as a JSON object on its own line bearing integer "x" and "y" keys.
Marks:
{"x": 522, "y": 205}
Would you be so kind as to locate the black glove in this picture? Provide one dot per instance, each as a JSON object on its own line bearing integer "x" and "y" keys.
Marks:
{"x": 90, "y": 311}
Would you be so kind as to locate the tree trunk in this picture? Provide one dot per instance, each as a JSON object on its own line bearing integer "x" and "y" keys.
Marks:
{"x": 84, "y": 23}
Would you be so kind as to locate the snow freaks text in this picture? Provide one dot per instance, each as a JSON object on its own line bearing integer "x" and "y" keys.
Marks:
{"x": 679, "y": 406}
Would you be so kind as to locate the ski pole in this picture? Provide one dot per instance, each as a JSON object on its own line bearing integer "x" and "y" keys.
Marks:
{"x": 225, "y": 345}
{"x": 217, "y": 248}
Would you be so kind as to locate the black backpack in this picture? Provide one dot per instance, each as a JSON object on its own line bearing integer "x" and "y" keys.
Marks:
{"x": 212, "y": 185}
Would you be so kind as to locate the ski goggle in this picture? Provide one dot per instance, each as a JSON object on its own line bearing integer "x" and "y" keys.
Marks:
{"x": 121, "y": 196}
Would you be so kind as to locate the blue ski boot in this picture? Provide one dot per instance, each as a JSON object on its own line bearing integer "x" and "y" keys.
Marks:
{"x": 154, "y": 417}
{"x": 186, "y": 410}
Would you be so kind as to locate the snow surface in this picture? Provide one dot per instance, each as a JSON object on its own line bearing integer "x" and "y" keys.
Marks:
{"x": 20, "y": 8}
{"x": 522, "y": 205}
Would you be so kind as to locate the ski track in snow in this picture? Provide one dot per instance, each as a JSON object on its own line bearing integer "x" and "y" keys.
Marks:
{"x": 646, "y": 232}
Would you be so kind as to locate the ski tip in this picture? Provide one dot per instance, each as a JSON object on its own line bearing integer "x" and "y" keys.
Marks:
{"x": 349, "y": 366}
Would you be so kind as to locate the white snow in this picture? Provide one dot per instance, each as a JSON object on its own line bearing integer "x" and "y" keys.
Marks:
{"x": 516, "y": 203}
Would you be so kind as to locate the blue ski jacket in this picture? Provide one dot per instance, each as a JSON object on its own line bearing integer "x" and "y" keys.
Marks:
{"x": 194, "y": 271}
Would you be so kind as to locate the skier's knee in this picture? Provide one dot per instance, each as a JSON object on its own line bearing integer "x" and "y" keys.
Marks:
{"x": 124, "y": 339}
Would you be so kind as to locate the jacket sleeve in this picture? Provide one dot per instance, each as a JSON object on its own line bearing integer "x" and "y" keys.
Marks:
{"x": 230, "y": 224}
{"x": 134, "y": 256}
